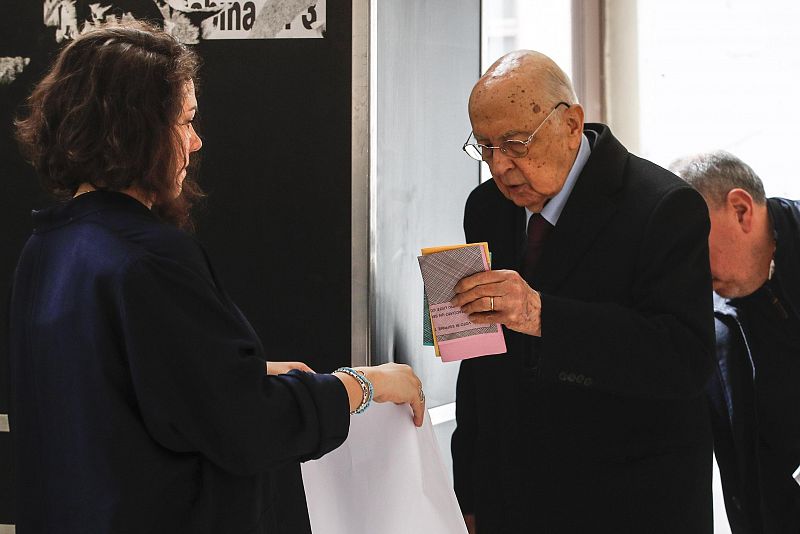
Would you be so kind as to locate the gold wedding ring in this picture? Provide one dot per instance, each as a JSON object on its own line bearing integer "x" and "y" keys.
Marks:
{"x": 421, "y": 394}
{"x": 491, "y": 303}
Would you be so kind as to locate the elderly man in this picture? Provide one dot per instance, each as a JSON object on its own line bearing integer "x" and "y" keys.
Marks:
{"x": 594, "y": 420}
{"x": 755, "y": 393}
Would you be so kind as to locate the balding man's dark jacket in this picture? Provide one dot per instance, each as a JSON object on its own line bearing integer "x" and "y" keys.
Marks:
{"x": 140, "y": 402}
{"x": 600, "y": 425}
{"x": 738, "y": 433}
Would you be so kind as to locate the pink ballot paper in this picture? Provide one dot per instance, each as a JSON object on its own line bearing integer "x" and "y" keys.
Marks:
{"x": 455, "y": 336}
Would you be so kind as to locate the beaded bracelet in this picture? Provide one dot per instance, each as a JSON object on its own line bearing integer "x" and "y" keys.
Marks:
{"x": 367, "y": 391}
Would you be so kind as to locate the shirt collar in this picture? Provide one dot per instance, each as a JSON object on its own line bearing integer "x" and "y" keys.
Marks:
{"x": 552, "y": 210}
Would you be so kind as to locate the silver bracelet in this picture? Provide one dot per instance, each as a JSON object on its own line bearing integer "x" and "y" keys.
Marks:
{"x": 367, "y": 391}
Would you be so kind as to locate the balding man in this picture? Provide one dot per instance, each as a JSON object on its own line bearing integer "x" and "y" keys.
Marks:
{"x": 755, "y": 394}
{"x": 594, "y": 420}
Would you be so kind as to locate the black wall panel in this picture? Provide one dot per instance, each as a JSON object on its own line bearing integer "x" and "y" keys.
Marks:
{"x": 275, "y": 117}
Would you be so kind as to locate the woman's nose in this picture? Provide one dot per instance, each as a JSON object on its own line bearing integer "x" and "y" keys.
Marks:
{"x": 195, "y": 142}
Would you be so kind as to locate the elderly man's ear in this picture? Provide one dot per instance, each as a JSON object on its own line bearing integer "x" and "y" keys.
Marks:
{"x": 741, "y": 204}
{"x": 573, "y": 117}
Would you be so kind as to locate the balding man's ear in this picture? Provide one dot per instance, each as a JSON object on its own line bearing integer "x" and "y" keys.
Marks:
{"x": 741, "y": 202}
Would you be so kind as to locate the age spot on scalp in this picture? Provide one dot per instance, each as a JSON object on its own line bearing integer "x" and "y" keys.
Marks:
{"x": 536, "y": 108}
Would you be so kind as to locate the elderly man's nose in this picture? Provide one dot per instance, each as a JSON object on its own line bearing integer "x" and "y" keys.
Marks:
{"x": 500, "y": 162}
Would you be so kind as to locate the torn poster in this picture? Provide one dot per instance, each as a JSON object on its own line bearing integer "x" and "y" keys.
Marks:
{"x": 191, "y": 21}
{"x": 267, "y": 19}
{"x": 10, "y": 67}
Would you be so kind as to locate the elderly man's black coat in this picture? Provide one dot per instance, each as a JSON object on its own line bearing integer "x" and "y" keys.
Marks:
{"x": 599, "y": 425}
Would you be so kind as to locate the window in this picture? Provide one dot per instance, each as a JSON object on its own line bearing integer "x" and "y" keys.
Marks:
{"x": 541, "y": 25}
{"x": 721, "y": 74}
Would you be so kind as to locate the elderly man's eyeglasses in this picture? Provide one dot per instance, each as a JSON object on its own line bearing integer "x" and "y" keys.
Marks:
{"x": 512, "y": 147}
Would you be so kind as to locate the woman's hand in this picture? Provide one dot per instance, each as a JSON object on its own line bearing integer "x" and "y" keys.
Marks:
{"x": 279, "y": 368}
{"x": 391, "y": 382}
{"x": 397, "y": 383}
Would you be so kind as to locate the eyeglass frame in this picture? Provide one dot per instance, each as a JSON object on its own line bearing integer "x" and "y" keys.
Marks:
{"x": 479, "y": 146}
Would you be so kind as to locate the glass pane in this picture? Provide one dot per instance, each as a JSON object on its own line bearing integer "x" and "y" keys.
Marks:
{"x": 721, "y": 74}
{"x": 542, "y": 25}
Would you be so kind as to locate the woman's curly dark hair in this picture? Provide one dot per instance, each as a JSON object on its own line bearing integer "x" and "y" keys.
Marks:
{"x": 106, "y": 113}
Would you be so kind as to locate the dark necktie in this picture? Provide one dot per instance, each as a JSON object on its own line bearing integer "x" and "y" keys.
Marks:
{"x": 538, "y": 228}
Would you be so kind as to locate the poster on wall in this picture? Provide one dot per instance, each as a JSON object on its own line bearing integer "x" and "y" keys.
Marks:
{"x": 191, "y": 21}
{"x": 10, "y": 67}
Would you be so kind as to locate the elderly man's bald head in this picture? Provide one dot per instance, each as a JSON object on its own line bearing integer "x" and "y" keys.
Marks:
{"x": 526, "y": 79}
{"x": 520, "y": 99}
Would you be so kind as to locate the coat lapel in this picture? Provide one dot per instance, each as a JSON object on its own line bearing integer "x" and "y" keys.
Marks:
{"x": 591, "y": 205}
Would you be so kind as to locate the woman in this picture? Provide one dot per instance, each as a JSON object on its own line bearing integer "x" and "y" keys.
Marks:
{"x": 143, "y": 401}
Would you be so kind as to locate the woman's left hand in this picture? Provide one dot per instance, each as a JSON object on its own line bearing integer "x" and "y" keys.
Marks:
{"x": 279, "y": 368}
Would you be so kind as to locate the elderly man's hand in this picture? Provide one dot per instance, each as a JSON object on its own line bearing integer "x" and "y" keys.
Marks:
{"x": 500, "y": 297}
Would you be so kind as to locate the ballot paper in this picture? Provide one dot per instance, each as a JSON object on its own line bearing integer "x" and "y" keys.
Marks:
{"x": 454, "y": 335}
{"x": 796, "y": 475}
{"x": 387, "y": 478}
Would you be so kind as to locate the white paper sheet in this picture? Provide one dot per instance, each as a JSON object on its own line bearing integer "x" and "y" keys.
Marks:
{"x": 387, "y": 478}
{"x": 796, "y": 475}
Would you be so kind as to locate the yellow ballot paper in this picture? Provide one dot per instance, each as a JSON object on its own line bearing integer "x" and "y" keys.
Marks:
{"x": 455, "y": 336}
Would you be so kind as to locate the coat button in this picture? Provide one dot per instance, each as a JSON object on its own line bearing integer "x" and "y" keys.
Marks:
{"x": 562, "y": 376}
{"x": 571, "y": 377}
{"x": 587, "y": 381}
{"x": 579, "y": 379}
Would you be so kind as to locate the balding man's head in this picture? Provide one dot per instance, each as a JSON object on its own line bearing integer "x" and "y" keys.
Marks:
{"x": 715, "y": 174}
{"x": 741, "y": 242}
